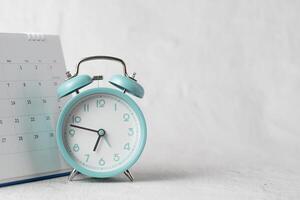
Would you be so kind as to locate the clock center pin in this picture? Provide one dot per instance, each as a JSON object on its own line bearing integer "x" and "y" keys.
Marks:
{"x": 101, "y": 132}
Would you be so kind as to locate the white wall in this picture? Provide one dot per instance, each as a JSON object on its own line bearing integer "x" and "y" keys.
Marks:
{"x": 222, "y": 78}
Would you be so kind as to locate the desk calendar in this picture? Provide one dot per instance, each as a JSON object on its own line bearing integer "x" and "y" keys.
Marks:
{"x": 31, "y": 68}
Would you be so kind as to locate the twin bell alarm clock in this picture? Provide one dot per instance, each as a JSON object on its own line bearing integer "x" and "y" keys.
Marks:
{"x": 101, "y": 132}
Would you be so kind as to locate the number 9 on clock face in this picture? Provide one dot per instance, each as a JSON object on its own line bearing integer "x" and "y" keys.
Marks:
{"x": 101, "y": 132}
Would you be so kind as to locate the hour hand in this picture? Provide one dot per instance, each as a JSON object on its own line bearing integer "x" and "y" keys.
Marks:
{"x": 101, "y": 133}
{"x": 97, "y": 142}
{"x": 84, "y": 128}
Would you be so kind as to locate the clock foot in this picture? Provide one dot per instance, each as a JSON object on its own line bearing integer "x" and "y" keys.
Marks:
{"x": 72, "y": 174}
{"x": 128, "y": 174}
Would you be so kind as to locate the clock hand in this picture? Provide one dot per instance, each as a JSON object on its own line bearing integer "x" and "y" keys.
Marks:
{"x": 97, "y": 142}
{"x": 101, "y": 133}
{"x": 84, "y": 128}
{"x": 107, "y": 142}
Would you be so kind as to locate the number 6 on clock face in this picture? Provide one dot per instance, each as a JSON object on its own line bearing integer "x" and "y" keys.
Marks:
{"x": 101, "y": 132}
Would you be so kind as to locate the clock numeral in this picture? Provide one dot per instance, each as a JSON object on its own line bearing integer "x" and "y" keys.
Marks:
{"x": 115, "y": 107}
{"x": 76, "y": 147}
{"x": 126, "y": 117}
{"x": 72, "y": 132}
{"x": 116, "y": 157}
{"x": 86, "y": 107}
{"x": 76, "y": 119}
{"x": 101, "y": 162}
{"x": 87, "y": 157}
{"x": 127, "y": 146}
{"x": 131, "y": 132}
{"x": 100, "y": 103}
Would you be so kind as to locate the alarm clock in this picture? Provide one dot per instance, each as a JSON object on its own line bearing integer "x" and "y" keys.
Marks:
{"x": 101, "y": 132}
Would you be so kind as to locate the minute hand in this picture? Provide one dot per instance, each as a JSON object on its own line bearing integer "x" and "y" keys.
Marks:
{"x": 84, "y": 128}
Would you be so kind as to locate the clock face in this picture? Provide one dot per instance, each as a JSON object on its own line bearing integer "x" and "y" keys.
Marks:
{"x": 101, "y": 133}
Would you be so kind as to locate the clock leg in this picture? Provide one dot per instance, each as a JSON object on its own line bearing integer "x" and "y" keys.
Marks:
{"x": 72, "y": 174}
{"x": 128, "y": 174}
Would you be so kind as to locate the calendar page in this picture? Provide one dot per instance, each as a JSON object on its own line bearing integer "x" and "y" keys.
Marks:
{"x": 31, "y": 68}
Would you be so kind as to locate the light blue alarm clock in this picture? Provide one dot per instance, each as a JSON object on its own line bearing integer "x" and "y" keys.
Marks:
{"x": 101, "y": 132}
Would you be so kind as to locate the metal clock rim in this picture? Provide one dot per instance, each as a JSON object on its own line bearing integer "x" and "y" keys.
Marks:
{"x": 67, "y": 109}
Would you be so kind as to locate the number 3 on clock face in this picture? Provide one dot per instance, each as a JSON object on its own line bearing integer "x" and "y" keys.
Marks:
{"x": 101, "y": 132}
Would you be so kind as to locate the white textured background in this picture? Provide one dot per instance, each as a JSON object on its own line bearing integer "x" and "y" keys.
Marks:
{"x": 222, "y": 92}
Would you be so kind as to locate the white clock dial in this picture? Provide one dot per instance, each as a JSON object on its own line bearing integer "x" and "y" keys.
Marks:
{"x": 101, "y": 132}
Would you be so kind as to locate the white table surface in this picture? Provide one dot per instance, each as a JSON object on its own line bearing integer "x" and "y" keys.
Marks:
{"x": 210, "y": 175}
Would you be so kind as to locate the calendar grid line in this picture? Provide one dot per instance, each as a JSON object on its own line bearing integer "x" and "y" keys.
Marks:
{"x": 11, "y": 63}
{"x": 32, "y": 97}
{"x": 26, "y": 115}
{"x": 30, "y": 80}
{"x": 28, "y": 133}
{"x": 29, "y": 151}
